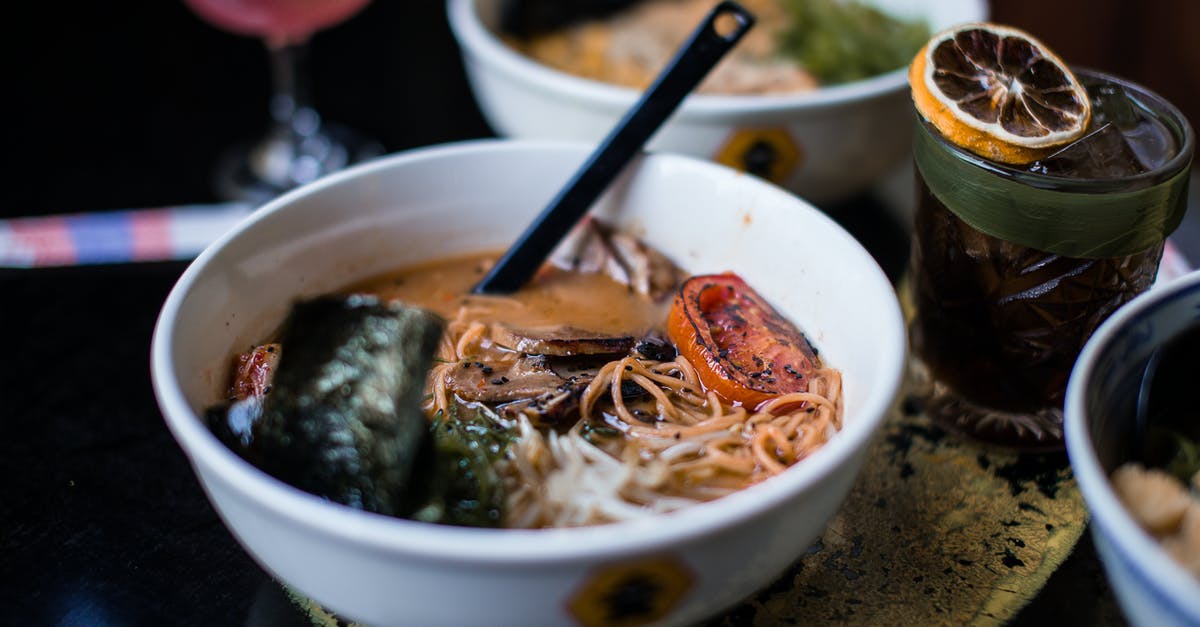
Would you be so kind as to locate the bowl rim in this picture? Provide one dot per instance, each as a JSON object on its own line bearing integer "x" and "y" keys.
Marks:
{"x": 479, "y": 42}
{"x": 520, "y": 546}
{"x": 1145, "y": 557}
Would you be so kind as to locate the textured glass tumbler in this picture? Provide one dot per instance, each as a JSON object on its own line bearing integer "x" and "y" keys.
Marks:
{"x": 1012, "y": 270}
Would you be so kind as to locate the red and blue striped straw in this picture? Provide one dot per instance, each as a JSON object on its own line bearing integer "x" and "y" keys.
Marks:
{"x": 134, "y": 235}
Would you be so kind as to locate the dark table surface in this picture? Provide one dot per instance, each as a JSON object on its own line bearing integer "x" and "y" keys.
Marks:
{"x": 128, "y": 105}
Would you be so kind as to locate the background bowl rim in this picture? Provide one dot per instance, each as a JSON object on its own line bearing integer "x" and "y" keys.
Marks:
{"x": 1149, "y": 561}
{"x": 480, "y": 43}
{"x": 446, "y": 543}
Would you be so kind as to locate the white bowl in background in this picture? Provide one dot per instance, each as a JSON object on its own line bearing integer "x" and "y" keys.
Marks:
{"x": 1152, "y": 589}
{"x": 840, "y": 139}
{"x": 477, "y": 196}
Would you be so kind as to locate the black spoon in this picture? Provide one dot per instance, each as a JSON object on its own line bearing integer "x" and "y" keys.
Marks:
{"x": 721, "y": 29}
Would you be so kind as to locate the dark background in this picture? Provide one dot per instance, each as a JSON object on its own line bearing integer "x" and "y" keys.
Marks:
{"x": 129, "y": 104}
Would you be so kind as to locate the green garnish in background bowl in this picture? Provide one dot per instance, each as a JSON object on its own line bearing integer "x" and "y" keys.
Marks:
{"x": 846, "y": 40}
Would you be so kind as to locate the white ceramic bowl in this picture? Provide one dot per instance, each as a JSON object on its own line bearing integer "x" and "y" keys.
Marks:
{"x": 478, "y": 196}
{"x": 832, "y": 142}
{"x": 1152, "y": 589}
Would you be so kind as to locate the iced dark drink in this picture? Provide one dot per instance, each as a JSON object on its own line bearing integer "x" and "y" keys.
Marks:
{"x": 1014, "y": 266}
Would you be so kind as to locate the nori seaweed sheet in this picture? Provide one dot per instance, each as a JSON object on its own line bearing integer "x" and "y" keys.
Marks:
{"x": 343, "y": 420}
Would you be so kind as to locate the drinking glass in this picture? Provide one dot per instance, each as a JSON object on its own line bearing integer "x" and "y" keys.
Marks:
{"x": 1014, "y": 267}
{"x": 299, "y": 146}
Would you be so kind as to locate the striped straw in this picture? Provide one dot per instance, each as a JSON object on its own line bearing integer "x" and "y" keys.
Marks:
{"x": 133, "y": 235}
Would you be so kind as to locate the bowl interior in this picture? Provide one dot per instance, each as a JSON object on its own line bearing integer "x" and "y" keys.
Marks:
{"x": 479, "y": 196}
{"x": 1110, "y": 389}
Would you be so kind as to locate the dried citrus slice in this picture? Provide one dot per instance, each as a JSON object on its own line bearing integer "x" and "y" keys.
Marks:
{"x": 998, "y": 92}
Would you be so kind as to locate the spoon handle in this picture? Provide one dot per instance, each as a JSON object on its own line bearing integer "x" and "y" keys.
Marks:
{"x": 711, "y": 40}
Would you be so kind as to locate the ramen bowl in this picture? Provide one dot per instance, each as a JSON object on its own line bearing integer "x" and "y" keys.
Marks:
{"x": 1151, "y": 587}
{"x": 474, "y": 196}
{"x": 826, "y": 145}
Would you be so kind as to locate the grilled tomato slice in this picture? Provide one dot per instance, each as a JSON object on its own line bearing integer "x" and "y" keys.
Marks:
{"x": 741, "y": 347}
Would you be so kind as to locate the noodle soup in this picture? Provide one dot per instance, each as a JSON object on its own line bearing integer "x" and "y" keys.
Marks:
{"x": 587, "y": 397}
{"x": 407, "y": 209}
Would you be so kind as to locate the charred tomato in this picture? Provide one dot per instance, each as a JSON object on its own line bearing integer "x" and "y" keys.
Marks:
{"x": 741, "y": 347}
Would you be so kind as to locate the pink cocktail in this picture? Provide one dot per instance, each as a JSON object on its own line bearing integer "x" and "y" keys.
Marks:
{"x": 279, "y": 22}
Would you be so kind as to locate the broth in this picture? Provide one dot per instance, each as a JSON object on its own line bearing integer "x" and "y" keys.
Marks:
{"x": 589, "y": 300}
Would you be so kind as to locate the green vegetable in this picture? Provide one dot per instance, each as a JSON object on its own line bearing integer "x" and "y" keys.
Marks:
{"x": 464, "y": 486}
{"x": 845, "y": 40}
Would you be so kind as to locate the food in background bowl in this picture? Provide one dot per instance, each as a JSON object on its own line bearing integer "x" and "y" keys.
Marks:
{"x": 608, "y": 388}
{"x": 449, "y": 201}
{"x": 1165, "y": 506}
{"x": 826, "y": 144}
{"x": 796, "y": 46}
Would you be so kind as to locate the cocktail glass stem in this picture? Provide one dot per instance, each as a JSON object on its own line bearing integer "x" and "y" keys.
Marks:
{"x": 298, "y": 148}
